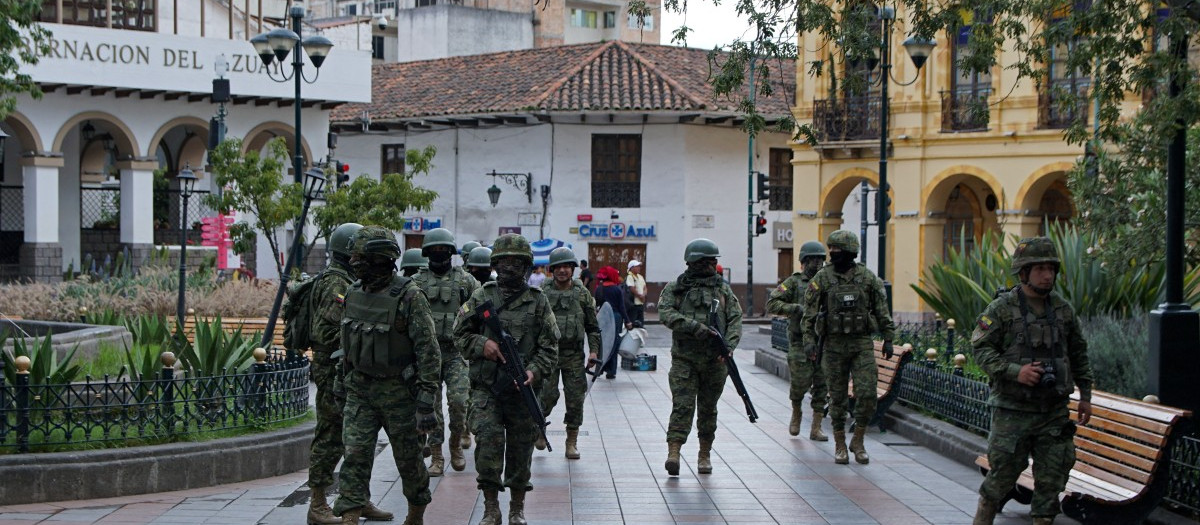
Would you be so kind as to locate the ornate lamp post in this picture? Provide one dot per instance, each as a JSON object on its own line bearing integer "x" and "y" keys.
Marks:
{"x": 187, "y": 184}
{"x": 520, "y": 181}
{"x": 314, "y": 183}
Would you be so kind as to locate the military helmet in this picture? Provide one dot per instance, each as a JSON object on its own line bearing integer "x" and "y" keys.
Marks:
{"x": 438, "y": 237}
{"x": 562, "y": 255}
{"x": 339, "y": 239}
{"x": 514, "y": 245}
{"x": 812, "y": 249}
{"x": 700, "y": 249}
{"x": 466, "y": 249}
{"x": 1034, "y": 250}
{"x": 480, "y": 257}
{"x": 844, "y": 240}
{"x": 412, "y": 258}
{"x": 375, "y": 240}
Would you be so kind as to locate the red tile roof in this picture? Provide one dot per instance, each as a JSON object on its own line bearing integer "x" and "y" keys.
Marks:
{"x": 610, "y": 76}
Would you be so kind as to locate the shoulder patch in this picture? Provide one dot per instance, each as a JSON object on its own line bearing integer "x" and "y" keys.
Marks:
{"x": 781, "y": 288}
{"x": 340, "y": 299}
{"x": 463, "y": 309}
{"x": 985, "y": 323}
{"x": 813, "y": 285}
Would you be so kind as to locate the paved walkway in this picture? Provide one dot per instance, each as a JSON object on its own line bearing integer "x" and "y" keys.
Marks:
{"x": 760, "y": 474}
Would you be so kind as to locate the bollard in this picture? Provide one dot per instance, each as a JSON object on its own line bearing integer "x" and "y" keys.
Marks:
{"x": 931, "y": 358}
{"x": 83, "y": 311}
{"x": 22, "y": 399}
{"x": 167, "y": 401}
{"x": 949, "y": 338}
{"x": 959, "y": 361}
{"x": 258, "y": 382}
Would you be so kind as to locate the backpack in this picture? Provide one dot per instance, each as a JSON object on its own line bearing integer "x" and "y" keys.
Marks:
{"x": 628, "y": 294}
{"x": 297, "y": 314}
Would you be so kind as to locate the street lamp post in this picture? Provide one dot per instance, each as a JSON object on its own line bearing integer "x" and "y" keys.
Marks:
{"x": 918, "y": 50}
{"x": 187, "y": 184}
{"x": 314, "y": 182}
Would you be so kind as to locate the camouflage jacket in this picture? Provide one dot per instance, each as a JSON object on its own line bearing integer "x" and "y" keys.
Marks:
{"x": 858, "y": 285}
{"x": 787, "y": 299}
{"x": 998, "y": 344}
{"x": 575, "y": 313}
{"x": 446, "y": 293}
{"x": 683, "y": 309}
{"x": 328, "y": 303}
{"x": 530, "y": 321}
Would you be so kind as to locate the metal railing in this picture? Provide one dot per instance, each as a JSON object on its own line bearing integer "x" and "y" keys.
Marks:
{"x": 1183, "y": 487}
{"x": 846, "y": 119}
{"x": 134, "y": 15}
{"x": 99, "y": 208}
{"x": 965, "y": 110}
{"x": 950, "y": 394}
{"x": 197, "y": 209}
{"x": 1062, "y": 104}
{"x": 116, "y": 409}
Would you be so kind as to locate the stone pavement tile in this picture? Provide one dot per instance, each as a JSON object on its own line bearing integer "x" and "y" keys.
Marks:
{"x": 24, "y": 516}
{"x": 30, "y": 507}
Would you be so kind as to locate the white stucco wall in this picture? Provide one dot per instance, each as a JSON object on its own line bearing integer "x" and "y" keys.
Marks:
{"x": 442, "y": 31}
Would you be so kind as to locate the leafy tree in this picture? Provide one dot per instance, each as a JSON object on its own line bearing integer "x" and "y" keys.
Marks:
{"x": 379, "y": 203}
{"x": 254, "y": 185}
{"x": 22, "y": 41}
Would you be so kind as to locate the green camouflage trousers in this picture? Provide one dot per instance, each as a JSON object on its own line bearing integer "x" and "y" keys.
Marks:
{"x": 571, "y": 363}
{"x": 504, "y": 434}
{"x": 806, "y": 374}
{"x": 695, "y": 390}
{"x": 326, "y": 449}
{"x": 846, "y": 358}
{"x": 454, "y": 377}
{"x": 1015, "y": 436}
{"x": 371, "y": 404}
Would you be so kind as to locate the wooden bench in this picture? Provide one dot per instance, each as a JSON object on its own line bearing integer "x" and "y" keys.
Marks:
{"x": 887, "y": 388}
{"x": 1122, "y": 459}
{"x": 248, "y": 326}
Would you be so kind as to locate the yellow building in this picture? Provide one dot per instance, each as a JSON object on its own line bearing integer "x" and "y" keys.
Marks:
{"x": 969, "y": 153}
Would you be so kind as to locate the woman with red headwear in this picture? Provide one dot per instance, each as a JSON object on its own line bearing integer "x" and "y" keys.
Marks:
{"x": 609, "y": 291}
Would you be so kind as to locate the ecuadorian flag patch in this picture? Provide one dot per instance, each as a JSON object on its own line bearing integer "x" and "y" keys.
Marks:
{"x": 341, "y": 299}
{"x": 985, "y": 323}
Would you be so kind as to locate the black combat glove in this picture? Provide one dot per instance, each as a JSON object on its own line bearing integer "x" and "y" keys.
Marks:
{"x": 887, "y": 350}
{"x": 702, "y": 331}
{"x": 426, "y": 421}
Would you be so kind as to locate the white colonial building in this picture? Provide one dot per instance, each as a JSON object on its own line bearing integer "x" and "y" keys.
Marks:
{"x": 128, "y": 91}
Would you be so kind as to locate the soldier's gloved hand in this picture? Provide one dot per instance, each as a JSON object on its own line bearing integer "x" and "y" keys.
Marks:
{"x": 702, "y": 331}
{"x": 810, "y": 351}
{"x": 426, "y": 421}
{"x": 887, "y": 350}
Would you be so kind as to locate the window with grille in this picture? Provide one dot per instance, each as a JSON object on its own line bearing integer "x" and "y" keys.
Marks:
{"x": 965, "y": 105}
{"x": 1064, "y": 99}
{"x": 392, "y": 159}
{"x": 377, "y": 47}
{"x": 616, "y": 171}
{"x": 779, "y": 179}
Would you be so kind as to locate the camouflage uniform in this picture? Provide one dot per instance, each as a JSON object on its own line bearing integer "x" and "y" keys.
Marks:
{"x": 503, "y": 431}
{"x": 328, "y": 295}
{"x": 392, "y": 363}
{"x": 1030, "y": 420}
{"x": 575, "y": 313}
{"x": 788, "y": 299}
{"x": 446, "y": 293}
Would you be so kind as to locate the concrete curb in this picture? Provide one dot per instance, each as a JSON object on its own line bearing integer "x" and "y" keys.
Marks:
{"x": 106, "y": 473}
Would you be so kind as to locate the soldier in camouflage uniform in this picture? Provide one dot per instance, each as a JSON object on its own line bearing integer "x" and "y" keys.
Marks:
{"x": 804, "y": 370}
{"x": 575, "y": 313}
{"x": 501, "y": 423}
{"x": 697, "y": 375}
{"x": 1029, "y": 343}
{"x": 479, "y": 264}
{"x": 845, "y": 304}
{"x": 392, "y": 363}
{"x": 327, "y": 297}
{"x": 412, "y": 262}
{"x": 447, "y": 287}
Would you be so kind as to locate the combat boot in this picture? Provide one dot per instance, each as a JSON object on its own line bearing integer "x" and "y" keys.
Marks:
{"x": 985, "y": 513}
{"x": 1043, "y": 520}
{"x": 437, "y": 463}
{"x": 319, "y": 512}
{"x": 673, "y": 457}
{"x": 457, "y": 461}
{"x": 703, "y": 461}
{"x": 856, "y": 446}
{"x": 540, "y": 444}
{"x": 416, "y": 515}
{"x": 516, "y": 508}
{"x": 373, "y": 513}
{"x": 572, "y": 443}
{"x": 491, "y": 508}
{"x": 350, "y": 517}
{"x": 839, "y": 448}
{"x": 797, "y": 415}
{"x": 466, "y": 441}
{"x": 815, "y": 434}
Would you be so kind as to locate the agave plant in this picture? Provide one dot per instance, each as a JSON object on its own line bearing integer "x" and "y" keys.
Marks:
{"x": 962, "y": 285}
{"x": 214, "y": 351}
{"x": 45, "y": 368}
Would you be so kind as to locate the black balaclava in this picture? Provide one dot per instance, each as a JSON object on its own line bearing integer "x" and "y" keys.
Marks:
{"x": 439, "y": 260}
{"x": 374, "y": 271}
{"x": 511, "y": 273}
{"x": 482, "y": 274}
{"x": 842, "y": 261}
{"x": 812, "y": 265}
{"x": 706, "y": 267}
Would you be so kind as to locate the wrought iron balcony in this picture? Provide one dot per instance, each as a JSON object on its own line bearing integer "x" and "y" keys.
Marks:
{"x": 846, "y": 119}
{"x": 1055, "y": 111}
{"x": 965, "y": 110}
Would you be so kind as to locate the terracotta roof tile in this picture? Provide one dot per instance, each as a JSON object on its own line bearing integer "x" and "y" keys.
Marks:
{"x": 609, "y": 76}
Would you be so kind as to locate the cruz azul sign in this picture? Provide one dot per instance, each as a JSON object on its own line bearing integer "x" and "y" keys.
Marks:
{"x": 421, "y": 224}
{"x": 616, "y": 231}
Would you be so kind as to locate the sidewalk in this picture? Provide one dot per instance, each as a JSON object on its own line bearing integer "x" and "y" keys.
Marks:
{"x": 760, "y": 474}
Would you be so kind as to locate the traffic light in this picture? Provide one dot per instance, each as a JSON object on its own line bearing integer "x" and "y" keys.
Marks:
{"x": 884, "y": 205}
{"x": 343, "y": 172}
{"x": 760, "y": 225}
{"x": 764, "y": 190}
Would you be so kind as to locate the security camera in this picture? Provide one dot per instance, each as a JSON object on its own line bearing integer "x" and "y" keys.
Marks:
{"x": 381, "y": 22}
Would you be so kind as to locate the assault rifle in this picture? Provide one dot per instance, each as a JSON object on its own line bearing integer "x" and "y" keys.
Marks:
{"x": 513, "y": 368}
{"x": 722, "y": 347}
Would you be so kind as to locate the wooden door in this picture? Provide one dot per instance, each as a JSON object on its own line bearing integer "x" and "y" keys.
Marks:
{"x": 615, "y": 255}
{"x": 787, "y": 264}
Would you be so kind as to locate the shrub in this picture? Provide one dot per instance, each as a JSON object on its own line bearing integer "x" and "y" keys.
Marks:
{"x": 1117, "y": 352}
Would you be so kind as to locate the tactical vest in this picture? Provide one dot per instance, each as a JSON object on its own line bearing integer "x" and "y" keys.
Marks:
{"x": 445, "y": 293}
{"x": 373, "y": 342}
{"x": 848, "y": 306}
{"x": 1045, "y": 343}
{"x": 694, "y": 304}
{"x": 522, "y": 320}
{"x": 795, "y": 327}
{"x": 568, "y": 312}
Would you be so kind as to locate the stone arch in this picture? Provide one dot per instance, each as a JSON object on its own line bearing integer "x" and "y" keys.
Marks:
{"x": 24, "y": 131}
{"x": 123, "y": 137}
{"x": 839, "y": 187}
{"x": 257, "y": 137}
{"x": 185, "y": 121}
{"x": 979, "y": 196}
{"x": 939, "y": 187}
{"x": 1038, "y": 182}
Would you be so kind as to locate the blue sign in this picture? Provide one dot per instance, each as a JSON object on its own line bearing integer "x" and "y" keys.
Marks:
{"x": 421, "y": 224}
{"x": 618, "y": 231}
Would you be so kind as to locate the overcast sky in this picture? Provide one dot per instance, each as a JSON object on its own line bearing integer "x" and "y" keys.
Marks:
{"x": 712, "y": 25}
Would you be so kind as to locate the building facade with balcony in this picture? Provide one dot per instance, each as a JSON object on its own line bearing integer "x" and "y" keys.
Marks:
{"x": 968, "y": 153}
{"x": 89, "y": 168}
